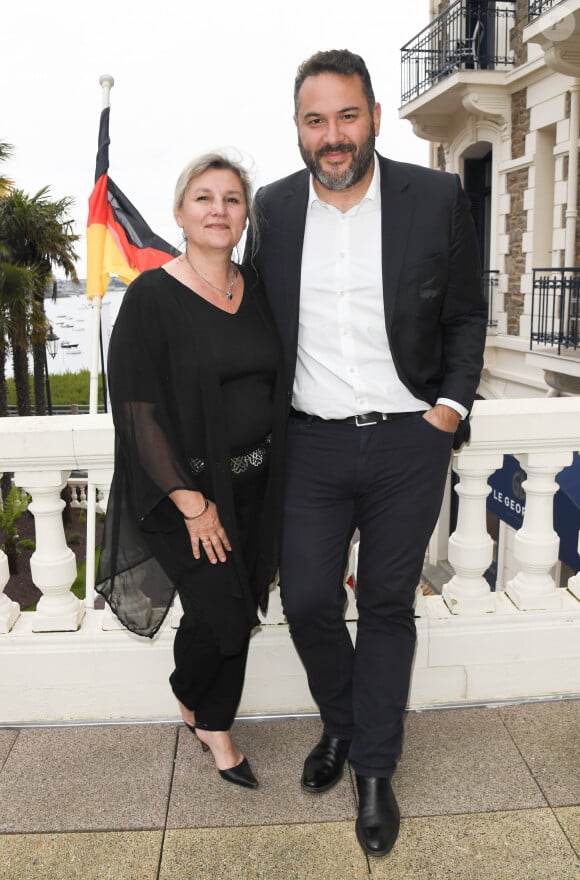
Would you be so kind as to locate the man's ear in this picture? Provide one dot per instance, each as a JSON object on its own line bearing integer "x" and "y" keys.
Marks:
{"x": 377, "y": 119}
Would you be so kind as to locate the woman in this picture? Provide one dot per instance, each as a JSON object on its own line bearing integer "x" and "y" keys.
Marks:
{"x": 197, "y": 397}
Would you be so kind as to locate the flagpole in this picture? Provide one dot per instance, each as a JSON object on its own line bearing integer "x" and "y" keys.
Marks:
{"x": 106, "y": 82}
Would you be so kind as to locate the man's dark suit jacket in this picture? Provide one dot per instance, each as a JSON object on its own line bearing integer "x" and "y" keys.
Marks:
{"x": 435, "y": 312}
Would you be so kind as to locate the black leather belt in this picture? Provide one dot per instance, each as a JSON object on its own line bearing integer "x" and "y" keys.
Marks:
{"x": 362, "y": 421}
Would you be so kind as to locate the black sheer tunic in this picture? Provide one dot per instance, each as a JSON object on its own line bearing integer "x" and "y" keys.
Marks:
{"x": 191, "y": 386}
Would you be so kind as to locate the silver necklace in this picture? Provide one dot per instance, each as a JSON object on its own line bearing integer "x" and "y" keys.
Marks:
{"x": 233, "y": 275}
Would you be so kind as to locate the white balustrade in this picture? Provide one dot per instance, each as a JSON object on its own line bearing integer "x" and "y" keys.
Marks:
{"x": 9, "y": 610}
{"x": 53, "y": 563}
{"x": 536, "y": 544}
{"x": 464, "y": 652}
{"x": 470, "y": 546}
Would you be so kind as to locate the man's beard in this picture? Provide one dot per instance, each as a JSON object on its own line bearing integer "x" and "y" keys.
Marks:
{"x": 341, "y": 179}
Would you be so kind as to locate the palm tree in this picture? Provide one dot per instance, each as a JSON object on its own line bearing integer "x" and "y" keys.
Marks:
{"x": 37, "y": 233}
{"x": 17, "y": 285}
{"x": 5, "y": 183}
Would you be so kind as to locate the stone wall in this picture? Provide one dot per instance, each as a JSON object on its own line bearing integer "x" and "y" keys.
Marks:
{"x": 516, "y": 219}
{"x": 441, "y": 163}
{"x": 520, "y": 123}
{"x": 515, "y": 261}
{"x": 516, "y": 41}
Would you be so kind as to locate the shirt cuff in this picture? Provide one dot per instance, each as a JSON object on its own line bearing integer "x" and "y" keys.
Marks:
{"x": 456, "y": 406}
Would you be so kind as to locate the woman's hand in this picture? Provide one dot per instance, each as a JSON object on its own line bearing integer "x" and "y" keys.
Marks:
{"x": 205, "y": 529}
{"x": 207, "y": 532}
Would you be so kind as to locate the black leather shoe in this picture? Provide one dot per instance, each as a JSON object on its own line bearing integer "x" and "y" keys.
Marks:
{"x": 377, "y": 826}
{"x": 323, "y": 766}
{"x": 241, "y": 774}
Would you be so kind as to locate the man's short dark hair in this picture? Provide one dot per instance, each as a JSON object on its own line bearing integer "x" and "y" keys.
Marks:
{"x": 339, "y": 61}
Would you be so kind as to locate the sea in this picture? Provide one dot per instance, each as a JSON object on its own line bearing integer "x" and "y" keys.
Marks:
{"x": 71, "y": 317}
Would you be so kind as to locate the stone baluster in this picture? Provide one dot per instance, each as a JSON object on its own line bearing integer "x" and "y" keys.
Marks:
{"x": 9, "y": 610}
{"x": 98, "y": 479}
{"x": 53, "y": 564}
{"x": 536, "y": 544}
{"x": 470, "y": 546}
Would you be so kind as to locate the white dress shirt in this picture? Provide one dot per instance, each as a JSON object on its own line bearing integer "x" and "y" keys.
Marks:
{"x": 344, "y": 365}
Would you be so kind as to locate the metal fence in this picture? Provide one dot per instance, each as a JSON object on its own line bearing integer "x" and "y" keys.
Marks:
{"x": 70, "y": 409}
{"x": 489, "y": 283}
{"x": 536, "y": 7}
{"x": 556, "y": 309}
{"x": 466, "y": 36}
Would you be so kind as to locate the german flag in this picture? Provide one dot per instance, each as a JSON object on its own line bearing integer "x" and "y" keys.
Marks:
{"x": 119, "y": 241}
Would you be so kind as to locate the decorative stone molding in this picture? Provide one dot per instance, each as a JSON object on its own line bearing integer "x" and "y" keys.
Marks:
{"x": 562, "y": 383}
{"x": 490, "y": 102}
{"x": 434, "y": 127}
{"x": 557, "y": 32}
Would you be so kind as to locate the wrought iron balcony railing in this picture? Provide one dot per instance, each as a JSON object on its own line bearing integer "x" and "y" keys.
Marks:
{"x": 556, "y": 309}
{"x": 536, "y": 7}
{"x": 489, "y": 282}
{"x": 468, "y": 35}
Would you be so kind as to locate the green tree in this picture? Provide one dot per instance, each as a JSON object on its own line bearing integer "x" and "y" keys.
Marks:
{"x": 17, "y": 318}
{"x": 36, "y": 234}
{"x": 11, "y": 509}
{"x": 5, "y": 183}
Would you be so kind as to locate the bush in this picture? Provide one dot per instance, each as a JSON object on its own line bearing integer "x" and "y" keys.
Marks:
{"x": 65, "y": 389}
{"x": 27, "y": 544}
{"x": 11, "y": 510}
{"x": 74, "y": 539}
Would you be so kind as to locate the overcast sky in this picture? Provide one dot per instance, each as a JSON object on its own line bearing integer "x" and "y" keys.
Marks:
{"x": 188, "y": 77}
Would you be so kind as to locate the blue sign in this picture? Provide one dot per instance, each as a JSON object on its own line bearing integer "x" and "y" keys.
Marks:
{"x": 507, "y": 500}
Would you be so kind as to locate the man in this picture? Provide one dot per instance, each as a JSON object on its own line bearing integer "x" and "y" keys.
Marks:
{"x": 372, "y": 273}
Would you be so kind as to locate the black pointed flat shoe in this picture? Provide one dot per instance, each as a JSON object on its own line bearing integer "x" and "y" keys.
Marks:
{"x": 241, "y": 774}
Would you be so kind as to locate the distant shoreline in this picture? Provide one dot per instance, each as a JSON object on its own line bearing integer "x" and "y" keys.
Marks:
{"x": 65, "y": 287}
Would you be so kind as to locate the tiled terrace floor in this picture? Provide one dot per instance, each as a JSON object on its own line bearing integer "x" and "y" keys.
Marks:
{"x": 485, "y": 794}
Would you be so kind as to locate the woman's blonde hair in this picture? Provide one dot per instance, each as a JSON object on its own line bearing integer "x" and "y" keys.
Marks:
{"x": 221, "y": 161}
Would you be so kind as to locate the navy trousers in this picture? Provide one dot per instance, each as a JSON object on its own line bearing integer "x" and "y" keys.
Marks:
{"x": 387, "y": 480}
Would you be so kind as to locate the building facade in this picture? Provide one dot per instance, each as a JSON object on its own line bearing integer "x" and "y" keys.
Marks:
{"x": 494, "y": 86}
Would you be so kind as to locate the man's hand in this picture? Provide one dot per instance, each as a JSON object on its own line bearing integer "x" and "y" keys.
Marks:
{"x": 443, "y": 417}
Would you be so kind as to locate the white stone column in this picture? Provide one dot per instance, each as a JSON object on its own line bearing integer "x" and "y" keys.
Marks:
{"x": 53, "y": 564}
{"x": 9, "y": 610}
{"x": 536, "y": 544}
{"x": 470, "y": 546}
